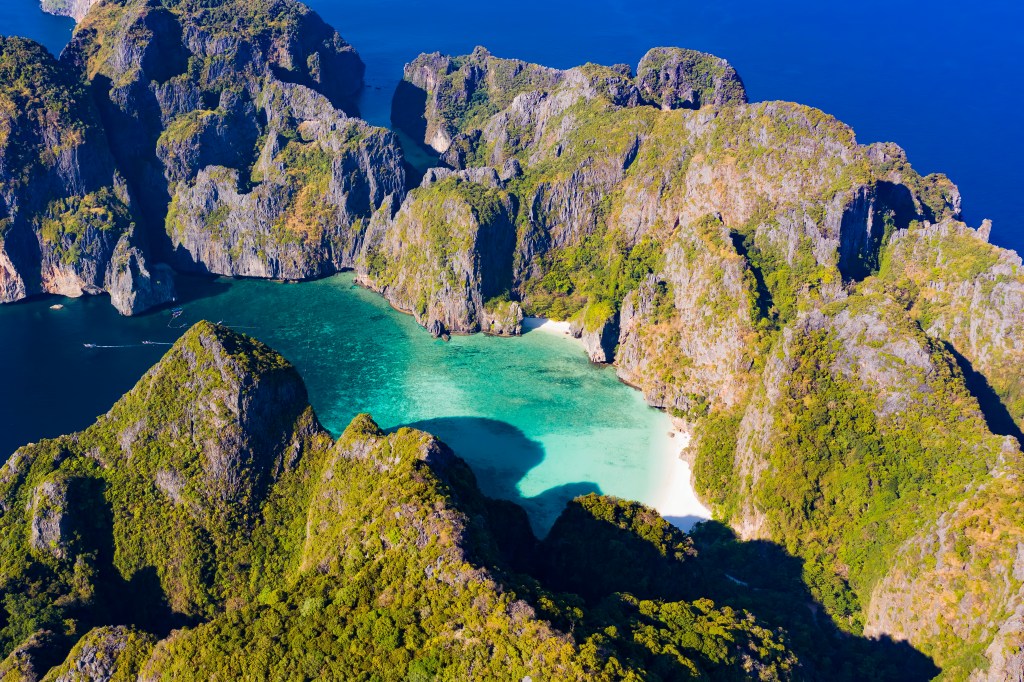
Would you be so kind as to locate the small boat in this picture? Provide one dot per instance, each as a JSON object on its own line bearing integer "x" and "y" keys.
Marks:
{"x": 89, "y": 345}
{"x": 176, "y": 312}
{"x": 57, "y": 306}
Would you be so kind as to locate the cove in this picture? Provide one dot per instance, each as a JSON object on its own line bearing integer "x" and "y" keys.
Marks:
{"x": 536, "y": 421}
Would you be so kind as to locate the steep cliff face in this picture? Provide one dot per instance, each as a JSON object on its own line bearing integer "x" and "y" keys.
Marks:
{"x": 447, "y": 256}
{"x": 956, "y": 585}
{"x": 609, "y": 193}
{"x": 66, "y": 222}
{"x": 969, "y": 294}
{"x": 726, "y": 246}
{"x": 861, "y": 449}
{"x": 705, "y": 292}
{"x": 209, "y": 509}
{"x": 230, "y": 122}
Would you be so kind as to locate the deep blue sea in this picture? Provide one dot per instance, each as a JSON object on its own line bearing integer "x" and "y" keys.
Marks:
{"x": 943, "y": 78}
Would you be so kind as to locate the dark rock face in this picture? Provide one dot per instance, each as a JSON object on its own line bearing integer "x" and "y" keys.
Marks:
{"x": 66, "y": 219}
{"x": 674, "y": 78}
{"x": 231, "y": 124}
{"x": 868, "y": 220}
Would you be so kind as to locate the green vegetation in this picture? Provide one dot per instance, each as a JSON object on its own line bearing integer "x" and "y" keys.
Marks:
{"x": 926, "y": 269}
{"x": 67, "y": 222}
{"x": 209, "y": 498}
{"x": 37, "y": 95}
{"x": 712, "y": 80}
{"x": 848, "y": 480}
{"x": 436, "y": 244}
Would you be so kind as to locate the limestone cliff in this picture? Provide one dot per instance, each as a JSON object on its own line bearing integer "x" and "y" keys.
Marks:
{"x": 76, "y": 9}
{"x": 604, "y": 186}
{"x": 67, "y": 222}
{"x": 233, "y": 126}
{"x": 766, "y": 276}
{"x": 674, "y": 78}
{"x": 447, "y": 255}
{"x": 971, "y": 295}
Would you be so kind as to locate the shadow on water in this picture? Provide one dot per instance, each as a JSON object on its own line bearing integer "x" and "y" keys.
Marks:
{"x": 758, "y": 576}
{"x": 501, "y": 456}
{"x": 685, "y": 521}
{"x": 192, "y": 288}
{"x": 997, "y": 417}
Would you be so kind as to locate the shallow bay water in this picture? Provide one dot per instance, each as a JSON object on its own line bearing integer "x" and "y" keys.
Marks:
{"x": 536, "y": 421}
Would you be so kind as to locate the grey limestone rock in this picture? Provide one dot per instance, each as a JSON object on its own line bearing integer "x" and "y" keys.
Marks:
{"x": 676, "y": 78}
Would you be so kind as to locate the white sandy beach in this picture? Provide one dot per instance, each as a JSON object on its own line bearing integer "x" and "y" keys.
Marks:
{"x": 543, "y": 324}
{"x": 677, "y": 500}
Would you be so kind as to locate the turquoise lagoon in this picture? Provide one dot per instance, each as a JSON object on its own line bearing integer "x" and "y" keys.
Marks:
{"x": 537, "y": 422}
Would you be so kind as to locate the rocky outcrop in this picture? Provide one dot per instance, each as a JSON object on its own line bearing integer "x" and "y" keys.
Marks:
{"x": 970, "y": 294}
{"x": 66, "y": 219}
{"x": 689, "y": 335}
{"x": 134, "y": 286}
{"x": 598, "y": 329}
{"x": 865, "y": 357}
{"x": 48, "y": 528}
{"x": 249, "y": 164}
{"x": 105, "y": 654}
{"x": 447, "y": 256}
{"x": 601, "y": 181}
{"x": 244, "y": 425}
{"x": 76, "y": 9}
{"x": 31, "y": 659}
{"x": 674, "y": 78}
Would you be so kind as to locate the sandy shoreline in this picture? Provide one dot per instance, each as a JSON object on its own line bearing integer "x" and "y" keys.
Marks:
{"x": 543, "y": 324}
{"x": 677, "y": 500}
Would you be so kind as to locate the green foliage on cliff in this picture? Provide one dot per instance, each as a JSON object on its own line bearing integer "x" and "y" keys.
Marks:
{"x": 850, "y": 479}
{"x": 713, "y": 463}
{"x": 69, "y": 221}
{"x": 956, "y": 285}
{"x": 45, "y": 113}
{"x": 439, "y": 242}
{"x": 209, "y": 498}
{"x": 706, "y": 79}
{"x": 33, "y": 85}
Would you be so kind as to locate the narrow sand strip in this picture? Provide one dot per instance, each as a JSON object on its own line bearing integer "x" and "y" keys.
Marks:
{"x": 542, "y": 324}
{"x": 677, "y": 500}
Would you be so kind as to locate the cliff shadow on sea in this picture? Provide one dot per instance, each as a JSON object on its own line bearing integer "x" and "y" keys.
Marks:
{"x": 501, "y": 456}
{"x": 758, "y": 576}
